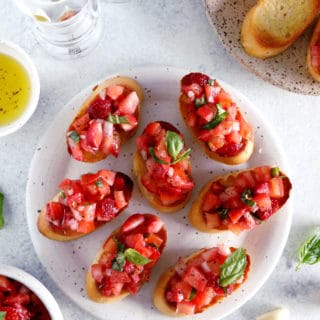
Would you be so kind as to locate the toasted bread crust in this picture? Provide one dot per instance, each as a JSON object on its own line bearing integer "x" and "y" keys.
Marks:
{"x": 315, "y": 36}
{"x": 159, "y": 299}
{"x": 139, "y": 170}
{"x": 263, "y": 37}
{"x": 241, "y": 157}
{"x": 124, "y": 136}
{"x": 92, "y": 290}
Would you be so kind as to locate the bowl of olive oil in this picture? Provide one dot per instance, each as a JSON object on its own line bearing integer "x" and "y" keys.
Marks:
{"x": 19, "y": 87}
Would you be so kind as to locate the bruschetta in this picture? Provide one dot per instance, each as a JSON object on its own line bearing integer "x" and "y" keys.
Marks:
{"x": 107, "y": 119}
{"x": 215, "y": 120}
{"x": 85, "y": 204}
{"x": 313, "y": 55}
{"x": 162, "y": 168}
{"x": 201, "y": 280}
{"x": 126, "y": 260}
{"x": 271, "y": 26}
{"x": 240, "y": 201}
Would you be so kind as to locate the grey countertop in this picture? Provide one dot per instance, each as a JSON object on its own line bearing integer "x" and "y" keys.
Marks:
{"x": 164, "y": 33}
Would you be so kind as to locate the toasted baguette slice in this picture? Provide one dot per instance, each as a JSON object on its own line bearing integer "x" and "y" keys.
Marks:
{"x": 267, "y": 200}
{"x": 133, "y": 225}
{"x": 271, "y": 26}
{"x": 313, "y": 55}
{"x": 169, "y": 309}
{"x": 124, "y": 135}
{"x": 140, "y": 170}
{"x": 50, "y": 231}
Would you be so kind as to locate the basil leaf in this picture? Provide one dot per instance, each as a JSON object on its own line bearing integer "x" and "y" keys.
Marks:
{"x": 185, "y": 155}
{"x": 309, "y": 252}
{"x": 275, "y": 172}
{"x": 120, "y": 245}
{"x": 118, "y": 262}
{"x": 220, "y": 116}
{"x": 200, "y": 102}
{"x": 151, "y": 151}
{"x": 3, "y": 315}
{"x": 174, "y": 144}
{"x": 115, "y": 119}
{"x": 192, "y": 293}
{"x": 246, "y": 198}
{"x": 223, "y": 212}
{"x": 1, "y": 210}
{"x": 74, "y": 136}
{"x": 233, "y": 268}
{"x": 135, "y": 257}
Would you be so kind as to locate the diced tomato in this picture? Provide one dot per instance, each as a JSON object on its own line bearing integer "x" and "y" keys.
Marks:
{"x": 210, "y": 254}
{"x": 262, "y": 174}
{"x": 211, "y": 203}
{"x": 263, "y": 201}
{"x": 97, "y": 272}
{"x": 133, "y": 239}
{"x": 213, "y": 220}
{"x": 234, "y": 137}
{"x": 216, "y": 143}
{"x": 236, "y": 214}
{"x": 132, "y": 222}
{"x": 223, "y": 98}
{"x": 94, "y": 134}
{"x": 129, "y": 104}
{"x": 205, "y": 135}
{"x": 246, "y": 129}
{"x": 205, "y": 112}
{"x": 117, "y": 276}
{"x": 175, "y": 295}
{"x": 185, "y": 307}
{"x": 191, "y": 119}
{"x": 195, "y": 278}
{"x": 276, "y": 188}
{"x": 153, "y": 239}
{"x": 114, "y": 91}
{"x": 54, "y": 212}
{"x": 108, "y": 210}
{"x": 86, "y": 226}
{"x": 262, "y": 188}
{"x": 169, "y": 198}
{"x": 75, "y": 149}
{"x": 116, "y": 144}
{"x": 120, "y": 199}
{"x": 154, "y": 225}
{"x": 81, "y": 123}
{"x": 204, "y": 298}
{"x": 108, "y": 175}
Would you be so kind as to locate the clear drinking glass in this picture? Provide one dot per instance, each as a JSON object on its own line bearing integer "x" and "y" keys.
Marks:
{"x": 66, "y": 28}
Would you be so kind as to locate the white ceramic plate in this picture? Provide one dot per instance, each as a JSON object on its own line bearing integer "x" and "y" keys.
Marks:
{"x": 67, "y": 263}
{"x": 287, "y": 70}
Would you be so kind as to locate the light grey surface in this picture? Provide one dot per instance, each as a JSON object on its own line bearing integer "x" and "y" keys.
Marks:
{"x": 174, "y": 33}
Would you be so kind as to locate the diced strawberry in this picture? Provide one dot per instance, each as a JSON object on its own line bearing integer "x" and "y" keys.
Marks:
{"x": 148, "y": 182}
{"x": 154, "y": 225}
{"x": 195, "y": 278}
{"x": 204, "y": 298}
{"x": 131, "y": 240}
{"x": 86, "y": 226}
{"x": 194, "y": 77}
{"x": 180, "y": 267}
{"x": 229, "y": 149}
{"x": 232, "y": 111}
{"x": 219, "y": 292}
{"x": 205, "y": 135}
{"x": 117, "y": 288}
{"x": 213, "y": 220}
{"x": 209, "y": 254}
{"x": 217, "y": 187}
{"x": 75, "y": 149}
{"x": 214, "y": 266}
{"x": 16, "y": 313}
{"x": 223, "y": 98}
{"x": 97, "y": 272}
{"x": 262, "y": 188}
{"x": 116, "y": 144}
{"x": 169, "y": 198}
{"x": 246, "y": 129}
{"x": 132, "y": 222}
{"x": 174, "y": 295}
{"x": 185, "y": 307}
{"x": 129, "y": 104}
{"x": 211, "y": 203}
{"x": 117, "y": 276}
{"x": 108, "y": 175}
{"x": 120, "y": 199}
{"x": 107, "y": 258}
{"x": 234, "y": 137}
{"x": 211, "y": 92}
{"x": 205, "y": 112}
{"x": 236, "y": 214}
{"x": 88, "y": 178}
{"x": 276, "y": 187}
{"x": 262, "y": 174}
{"x": 153, "y": 239}
{"x": 191, "y": 119}
{"x": 107, "y": 211}
{"x": 263, "y": 201}
{"x": 94, "y": 134}
{"x": 216, "y": 142}
{"x": 114, "y": 91}
{"x": 81, "y": 123}
{"x": 100, "y": 108}
{"x": 54, "y": 212}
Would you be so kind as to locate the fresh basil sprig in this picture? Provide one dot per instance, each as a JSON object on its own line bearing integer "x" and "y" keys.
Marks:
{"x": 220, "y": 116}
{"x": 309, "y": 252}
{"x": 115, "y": 119}
{"x": 1, "y": 210}
{"x": 233, "y": 268}
{"x": 3, "y": 315}
{"x": 174, "y": 144}
{"x": 74, "y": 136}
{"x": 129, "y": 254}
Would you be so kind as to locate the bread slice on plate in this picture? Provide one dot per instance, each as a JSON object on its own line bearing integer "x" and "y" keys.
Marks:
{"x": 271, "y": 26}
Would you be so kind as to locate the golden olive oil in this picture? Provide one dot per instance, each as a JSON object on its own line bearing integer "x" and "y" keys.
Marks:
{"x": 15, "y": 89}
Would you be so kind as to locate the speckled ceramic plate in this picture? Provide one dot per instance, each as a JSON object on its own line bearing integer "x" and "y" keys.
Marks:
{"x": 67, "y": 263}
{"x": 287, "y": 70}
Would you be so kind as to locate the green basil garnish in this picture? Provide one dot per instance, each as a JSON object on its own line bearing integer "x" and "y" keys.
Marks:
{"x": 220, "y": 116}
{"x": 233, "y": 268}
{"x": 120, "y": 245}
{"x": 153, "y": 154}
{"x": 275, "y": 172}
{"x": 184, "y": 155}
{"x": 119, "y": 261}
{"x": 200, "y": 102}
{"x": 99, "y": 183}
{"x": 210, "y": 82}
{"x": 115, "y": 119}
{"x": 192, "y": 293}
{"x": 309, "y": 252}
{"x": 1, "y": 210}
{"x": 3, "y": 315}
{"x": 135, "y": 257}
{"x": 246, "y": 198}
{"x": 223, "y": 212}
{"x": 74, "y": 136}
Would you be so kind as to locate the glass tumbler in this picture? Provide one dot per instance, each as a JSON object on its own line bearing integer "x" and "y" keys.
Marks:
{"x": 65, "y": 28}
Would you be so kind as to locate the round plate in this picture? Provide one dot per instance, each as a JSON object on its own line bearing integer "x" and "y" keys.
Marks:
{"x": 287, "y": 70}
{"x": 67, "y": 263}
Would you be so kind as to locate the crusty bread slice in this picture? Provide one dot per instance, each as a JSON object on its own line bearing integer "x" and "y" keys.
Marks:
{"x": 315, "y": 72}
{"x": 271, "y": 26}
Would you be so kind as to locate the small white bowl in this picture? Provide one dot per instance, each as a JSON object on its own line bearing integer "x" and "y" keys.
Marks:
{"x": 14, "y": 51}
{"x": 36, "y": 287}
